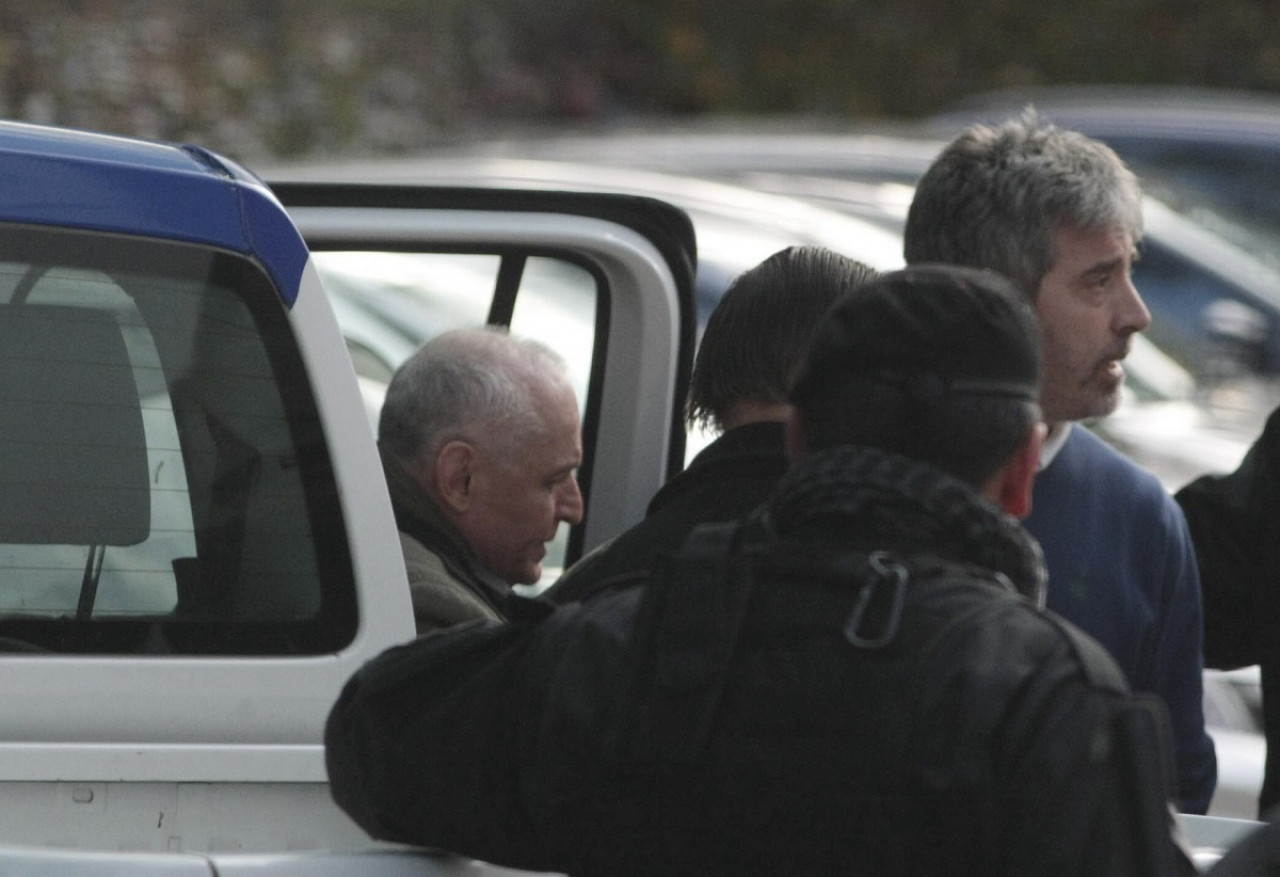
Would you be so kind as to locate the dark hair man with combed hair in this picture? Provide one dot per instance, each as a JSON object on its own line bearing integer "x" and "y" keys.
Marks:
{"x": 1061, "y": 216}
{"x": 752, "y": 346}
{"x": 856, "y": 679}
{"x": 756, "y": 337}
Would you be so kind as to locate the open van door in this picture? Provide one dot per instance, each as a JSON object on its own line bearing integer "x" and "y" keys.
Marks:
{"x": 605, "y": 280}
{"x": 199, "y": 548}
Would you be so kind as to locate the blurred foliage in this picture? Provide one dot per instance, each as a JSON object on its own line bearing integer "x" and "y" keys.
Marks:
{"x": 258, "y": 78}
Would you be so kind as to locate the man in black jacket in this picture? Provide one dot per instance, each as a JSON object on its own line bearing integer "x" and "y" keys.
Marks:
{"x": 753, "y": 344}
{"x": 858, "y": 679}
{"x": 1235, "y": 522}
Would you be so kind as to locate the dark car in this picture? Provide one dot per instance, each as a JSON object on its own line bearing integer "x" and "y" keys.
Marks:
{"x": 1215, "y": 299}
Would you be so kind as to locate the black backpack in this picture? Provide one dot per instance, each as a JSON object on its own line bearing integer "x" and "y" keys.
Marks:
{"x": 457, "y": 693}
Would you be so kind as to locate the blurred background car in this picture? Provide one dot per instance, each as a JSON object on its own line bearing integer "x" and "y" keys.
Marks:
{"x": 746, "y": 205}
{"x": 1233, "y": 717}
{"x": 737, "y": 226}
{"x": 1215, "y": 298}
{"x": 1176, "y": 422}
{"x": 1216, "y": 308}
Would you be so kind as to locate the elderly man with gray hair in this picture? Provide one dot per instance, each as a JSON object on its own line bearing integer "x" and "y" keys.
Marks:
{"x": 480, "y": 443}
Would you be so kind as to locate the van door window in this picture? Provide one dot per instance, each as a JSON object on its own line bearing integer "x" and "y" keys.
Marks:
{"x": 167, "y": 486}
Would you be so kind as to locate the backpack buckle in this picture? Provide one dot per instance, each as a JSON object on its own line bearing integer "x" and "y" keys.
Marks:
{"x": 887, "y": 573}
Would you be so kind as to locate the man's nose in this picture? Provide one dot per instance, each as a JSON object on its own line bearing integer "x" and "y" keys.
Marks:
{"x": 1131, "y": 311}
{"x": 570, "y": 505}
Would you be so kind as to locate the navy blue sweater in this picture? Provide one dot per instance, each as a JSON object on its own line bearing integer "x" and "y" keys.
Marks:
{"x": 1122, "y": 568}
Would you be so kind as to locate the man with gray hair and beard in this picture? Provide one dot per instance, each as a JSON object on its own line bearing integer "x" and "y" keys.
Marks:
{"x": 480, "y": 443}
{"x": 1061, "y": 216}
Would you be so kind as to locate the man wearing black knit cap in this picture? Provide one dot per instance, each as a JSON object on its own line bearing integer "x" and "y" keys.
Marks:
{"x": 750, "y": 350}
{"x": 859, "y": 679}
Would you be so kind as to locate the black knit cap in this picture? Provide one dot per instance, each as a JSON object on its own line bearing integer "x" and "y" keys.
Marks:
{"x": 936, "y": 329}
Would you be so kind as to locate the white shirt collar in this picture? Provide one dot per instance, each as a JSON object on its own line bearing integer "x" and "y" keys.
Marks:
{"x": 1053, "y": 443}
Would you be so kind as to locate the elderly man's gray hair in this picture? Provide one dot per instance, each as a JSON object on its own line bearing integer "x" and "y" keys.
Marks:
{"x": 472, "y": 384}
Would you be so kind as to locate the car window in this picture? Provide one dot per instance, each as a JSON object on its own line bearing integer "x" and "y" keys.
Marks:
{"x": 388, "y": 303}
{"x": 1202, "y": 320}
{"x": 167, "y": 485}
{"x": 1233, "y": 179}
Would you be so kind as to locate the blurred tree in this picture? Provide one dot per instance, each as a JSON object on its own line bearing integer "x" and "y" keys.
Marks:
{"x": 258, "y": 78}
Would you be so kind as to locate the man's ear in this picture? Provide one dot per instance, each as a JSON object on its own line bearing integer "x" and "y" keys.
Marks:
{"x": 454, "y": 466}
{"x": 1014, "y": 482}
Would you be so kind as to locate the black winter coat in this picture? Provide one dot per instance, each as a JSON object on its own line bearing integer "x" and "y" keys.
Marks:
{"x": 1235, "y": 525}
{"x": 857, "y": 681}
{"x": 726, "y": 481}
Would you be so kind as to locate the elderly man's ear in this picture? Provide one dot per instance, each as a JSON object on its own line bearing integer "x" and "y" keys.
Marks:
{"x": 453, "y": 468}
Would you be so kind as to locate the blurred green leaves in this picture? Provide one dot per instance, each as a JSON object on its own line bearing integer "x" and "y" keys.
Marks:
{"x": 267, "y": 78}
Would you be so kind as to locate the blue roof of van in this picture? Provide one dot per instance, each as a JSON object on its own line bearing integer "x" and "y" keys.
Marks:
{"x": 77, "y": 179}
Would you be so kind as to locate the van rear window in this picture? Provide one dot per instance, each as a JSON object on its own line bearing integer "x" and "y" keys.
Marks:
{"x": 166, "y": 484}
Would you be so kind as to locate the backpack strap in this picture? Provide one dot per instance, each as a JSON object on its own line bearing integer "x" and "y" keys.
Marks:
{"x": 686, "y": 630}
{"x": 1142, "y": 753}
{"x": 690, "y": 618}
{"x": 1099, "y": 667}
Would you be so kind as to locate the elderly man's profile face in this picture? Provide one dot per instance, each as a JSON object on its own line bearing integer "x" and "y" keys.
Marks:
{"x": 519, "y": 503}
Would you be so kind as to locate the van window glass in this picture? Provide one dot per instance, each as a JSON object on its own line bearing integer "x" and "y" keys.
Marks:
{"x": 168, "y": 489}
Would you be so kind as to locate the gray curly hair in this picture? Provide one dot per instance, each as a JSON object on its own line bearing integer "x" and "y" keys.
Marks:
{"x": 473, "y": 384}
{"x": 994, "y": 197}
